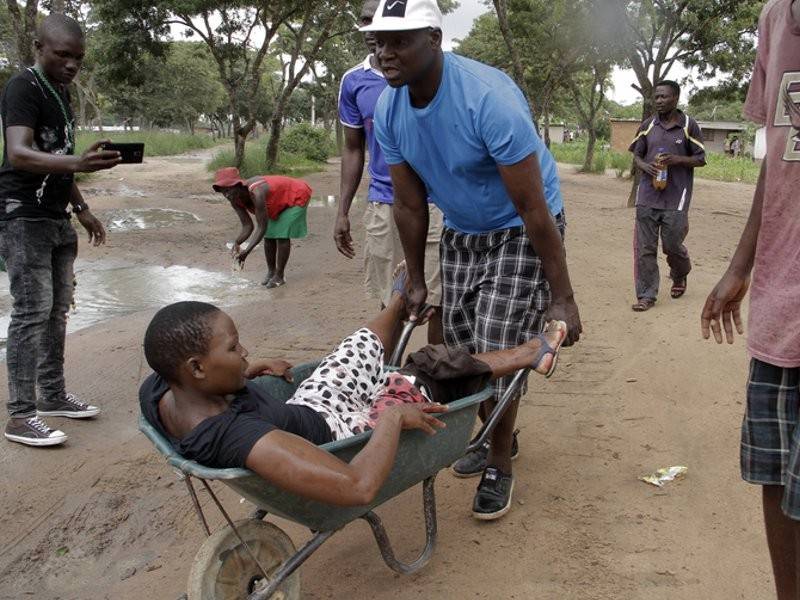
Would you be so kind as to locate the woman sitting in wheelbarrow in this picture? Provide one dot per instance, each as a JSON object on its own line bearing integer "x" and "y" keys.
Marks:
{"x": 202, "y": 400}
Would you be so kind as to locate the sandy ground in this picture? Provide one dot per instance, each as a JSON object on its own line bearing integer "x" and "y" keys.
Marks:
{"x": 103, "y": 517}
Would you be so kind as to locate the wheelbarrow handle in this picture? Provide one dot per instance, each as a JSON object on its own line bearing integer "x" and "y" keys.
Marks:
{"x": 498, "y": 412}
{"x": 405, "y": 335}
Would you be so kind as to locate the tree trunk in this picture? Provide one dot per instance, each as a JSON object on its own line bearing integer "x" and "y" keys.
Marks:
{"x": 238, "y": 148}
{"x": 589, "y": 158}
{"x": 24, "y": 29}
{"x": 546, "y": 134}
{"x": 636, "y": 175}
{"x": 274, "y": 138}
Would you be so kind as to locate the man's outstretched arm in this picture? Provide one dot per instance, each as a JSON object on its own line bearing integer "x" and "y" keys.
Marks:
{"x": 523, "y": 182}
{"x": 411, "y": 216}
{"x": 723, "y": 305}
{"x": 23, "y": 156}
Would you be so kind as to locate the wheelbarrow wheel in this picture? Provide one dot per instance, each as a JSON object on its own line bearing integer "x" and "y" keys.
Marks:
{"x": 223, "y": 569}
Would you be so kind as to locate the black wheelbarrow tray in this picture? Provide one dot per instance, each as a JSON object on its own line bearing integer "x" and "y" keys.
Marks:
{"x": 254, "y": 560}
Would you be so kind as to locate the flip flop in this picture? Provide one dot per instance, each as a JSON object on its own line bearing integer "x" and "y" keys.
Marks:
{"x": 643, "y": 304}
{"x": 678, "y": 288}
{"x": 546, "y": 348}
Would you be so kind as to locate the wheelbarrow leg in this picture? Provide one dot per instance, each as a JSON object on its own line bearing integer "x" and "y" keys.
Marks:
{"x": 385, "y": 546}
{"x": 291, "y": 565}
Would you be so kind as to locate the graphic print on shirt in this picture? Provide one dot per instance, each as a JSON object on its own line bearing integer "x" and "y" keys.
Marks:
{"x": 787, "y": 114}
{"x": 49, "y": 139}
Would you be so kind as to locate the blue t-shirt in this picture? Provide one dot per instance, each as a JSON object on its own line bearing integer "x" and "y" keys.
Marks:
{"x": 358, "y": 93}
{"x": 478, "y": 119}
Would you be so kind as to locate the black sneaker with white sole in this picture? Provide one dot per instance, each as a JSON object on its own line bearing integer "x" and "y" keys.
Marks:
{"x": 493, "y": 498}
{"x": 69, "y": 406}
{"x": 33, "y": 432}
{"x": 473, "y": 463}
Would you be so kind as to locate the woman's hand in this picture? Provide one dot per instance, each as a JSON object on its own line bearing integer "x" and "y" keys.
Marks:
{"x": 420, "y": 416}
{"x": 270, "y": 366}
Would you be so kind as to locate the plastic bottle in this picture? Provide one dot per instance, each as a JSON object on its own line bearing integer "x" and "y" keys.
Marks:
{"x": 660, "y": 178}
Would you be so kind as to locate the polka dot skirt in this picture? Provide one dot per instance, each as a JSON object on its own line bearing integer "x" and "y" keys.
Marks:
{"x": 349, "y": 388}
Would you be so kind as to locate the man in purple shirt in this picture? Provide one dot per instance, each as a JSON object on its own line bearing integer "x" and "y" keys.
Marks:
{"x": 674, "y": 141}
{"x": 358, "y": 94}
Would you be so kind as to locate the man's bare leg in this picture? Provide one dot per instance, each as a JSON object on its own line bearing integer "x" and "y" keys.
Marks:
{"x": 783, "y": 539}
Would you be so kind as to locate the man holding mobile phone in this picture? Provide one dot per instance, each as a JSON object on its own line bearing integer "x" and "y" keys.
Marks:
{"x": 37, "y": 240}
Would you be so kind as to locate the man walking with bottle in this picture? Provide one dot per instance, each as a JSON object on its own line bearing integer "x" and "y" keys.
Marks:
{"x": 667, "y": 149}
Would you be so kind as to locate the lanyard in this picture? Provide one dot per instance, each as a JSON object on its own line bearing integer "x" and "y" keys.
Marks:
{"x": 70, "y": 126}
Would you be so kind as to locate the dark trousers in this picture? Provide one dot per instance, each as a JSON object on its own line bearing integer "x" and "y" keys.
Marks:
{"x": 39, "y": 256}
{"x": 672, "y": 226}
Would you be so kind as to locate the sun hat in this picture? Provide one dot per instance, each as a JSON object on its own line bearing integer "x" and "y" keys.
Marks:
{"x": 405, "y": 15}
{"x": 227, "y": 177}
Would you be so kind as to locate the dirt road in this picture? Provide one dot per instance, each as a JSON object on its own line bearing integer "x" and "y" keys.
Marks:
{"x": 103, "y": 517}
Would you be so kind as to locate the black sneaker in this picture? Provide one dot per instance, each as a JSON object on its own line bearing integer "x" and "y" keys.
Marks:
{"x": 33, "y": 432}
{"x": 69, "y": 406}
{"x": 493, "y": 498}
{"x": 473, "y": 463}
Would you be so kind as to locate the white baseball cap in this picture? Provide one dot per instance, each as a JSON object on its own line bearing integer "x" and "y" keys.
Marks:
{"x": 405, "y": 15}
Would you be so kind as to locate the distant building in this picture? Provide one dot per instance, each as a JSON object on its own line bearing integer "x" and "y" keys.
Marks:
{"x": 622, "y": 133}
{"x": 557, "y": 133}
{"x": 714, "y": 133}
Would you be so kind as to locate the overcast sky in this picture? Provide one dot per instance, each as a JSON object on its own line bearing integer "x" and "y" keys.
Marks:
{"x": 458, "y": 24}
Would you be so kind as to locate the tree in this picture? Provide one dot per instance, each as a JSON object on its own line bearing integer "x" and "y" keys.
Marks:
{"x": 713, "y": 35}
{"x": 301, "y": 41}
{"x": 228, "y": 32}
{"x": 23, "y": 21}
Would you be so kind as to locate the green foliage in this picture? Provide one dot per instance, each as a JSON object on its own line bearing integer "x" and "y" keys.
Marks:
{"x": 719, "y": 167}
{"x": 253, "y": 163}
{"x": 156, "y": 143}
{"x": 307, "y": 141}
{"x": 725, "y": 168}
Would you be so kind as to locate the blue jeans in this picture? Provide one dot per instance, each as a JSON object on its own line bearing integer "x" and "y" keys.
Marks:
{"x": 39, "y": 256}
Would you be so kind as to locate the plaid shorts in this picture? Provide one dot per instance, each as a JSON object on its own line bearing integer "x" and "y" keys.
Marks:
{"x": 494, "y": 294}
{"x": 770, "y": 453}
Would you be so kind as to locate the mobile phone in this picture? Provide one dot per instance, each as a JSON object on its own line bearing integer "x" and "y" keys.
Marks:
{"x": 130, "y": 152}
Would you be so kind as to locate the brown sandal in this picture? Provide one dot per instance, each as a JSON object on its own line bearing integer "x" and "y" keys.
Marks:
{"x": 643, "y": 304}
{"x": 678, "y": 288}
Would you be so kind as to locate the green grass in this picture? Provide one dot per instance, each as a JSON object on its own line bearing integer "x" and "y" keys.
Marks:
{"x": 719, "y": 167}
{"x": 724, "y": 168}
{"x": 254, "y": 158}
{"x": 156, "y": 143}
{"x": 574, "y": 153}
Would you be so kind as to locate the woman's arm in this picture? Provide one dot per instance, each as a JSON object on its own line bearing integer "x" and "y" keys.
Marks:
{"x": 298, "y": 466}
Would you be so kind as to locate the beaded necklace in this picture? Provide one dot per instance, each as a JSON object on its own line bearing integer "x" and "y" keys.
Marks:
{"x": 46, "y": 83}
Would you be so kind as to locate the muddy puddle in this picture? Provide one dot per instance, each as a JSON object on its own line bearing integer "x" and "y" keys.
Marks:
{"x": 132, "y": 219}
{"x": 108, "y": 290}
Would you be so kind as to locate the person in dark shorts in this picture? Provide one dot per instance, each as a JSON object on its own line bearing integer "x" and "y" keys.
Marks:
{"x": 674, "y": 140}
{"x": 204, "y": 399}
{"x": 279, "y": 205}
{"x": 37, "y": 241}
{"x": 769, "y": 253}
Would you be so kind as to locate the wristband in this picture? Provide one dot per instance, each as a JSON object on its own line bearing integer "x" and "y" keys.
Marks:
{"x": 79, "y": 207}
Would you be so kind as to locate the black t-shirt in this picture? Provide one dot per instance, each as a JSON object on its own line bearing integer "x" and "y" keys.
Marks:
{"x": 28, "y": 103}
{"x": 225, "y": 440}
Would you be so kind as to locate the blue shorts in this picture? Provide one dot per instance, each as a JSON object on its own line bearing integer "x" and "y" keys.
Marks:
{"x": 770, "y": 452}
